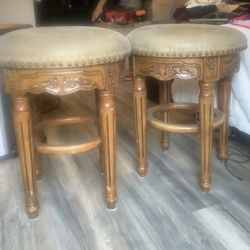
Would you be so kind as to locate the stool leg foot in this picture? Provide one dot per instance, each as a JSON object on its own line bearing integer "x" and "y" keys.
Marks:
{"x": 165, "y": 95}
{"x": 224, "y": 92}
{"x": 23, "y": 128}
{"x": 205, "y": 187}
{"x": 142, "y": 171}
{"x": 32, "y": 207}
{"x": 165, "y": 141}
{"x": 206, "y": 132}
{"x": 140, "y": 105}
{"x": 108, "y": 136}
{"x": 111, "y": 205}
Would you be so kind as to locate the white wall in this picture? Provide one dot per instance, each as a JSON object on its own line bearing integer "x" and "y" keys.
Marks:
{"x": 7, "y": 135}
{"x": 17, "y": 11}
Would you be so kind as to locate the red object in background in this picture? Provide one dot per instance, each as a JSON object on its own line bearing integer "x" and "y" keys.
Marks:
{"x": 120, "y": 16}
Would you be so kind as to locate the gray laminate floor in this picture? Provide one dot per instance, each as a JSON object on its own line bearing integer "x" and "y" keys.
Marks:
{"x": 165, "y": 210}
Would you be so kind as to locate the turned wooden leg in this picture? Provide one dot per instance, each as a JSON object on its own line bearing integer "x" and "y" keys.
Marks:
{"x": 38, "y": 135}
{"x": 165, "y": 97}
{"x": 23, "y": 128}
{"x": 98, "y": 126}
{"x": 206, "y": 132}
{"x": 224, "y": 92}
{"x": 108, "y": 136}
{"x": 140, "y": 104}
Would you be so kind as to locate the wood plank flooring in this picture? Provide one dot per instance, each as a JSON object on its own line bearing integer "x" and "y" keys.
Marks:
{"x": 164, "y": 210}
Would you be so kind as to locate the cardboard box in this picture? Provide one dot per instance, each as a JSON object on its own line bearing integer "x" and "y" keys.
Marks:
{"x": 163, "y": 10}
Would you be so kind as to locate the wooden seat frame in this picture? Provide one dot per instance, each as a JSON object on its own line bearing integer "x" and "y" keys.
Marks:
{"x": 208, "y": 71}
{"x": 21, "y": 82}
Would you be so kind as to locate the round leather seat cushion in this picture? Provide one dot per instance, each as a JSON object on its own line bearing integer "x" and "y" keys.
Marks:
{"x": 61, "y": 47}
{"x": 186, "y": 40}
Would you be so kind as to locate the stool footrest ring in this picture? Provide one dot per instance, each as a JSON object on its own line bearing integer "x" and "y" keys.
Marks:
{"x": 71, "y": 149}
{"x": 45, "y": 148}
{"x": 62, "y": 121}
{"x": 219, "y": 118}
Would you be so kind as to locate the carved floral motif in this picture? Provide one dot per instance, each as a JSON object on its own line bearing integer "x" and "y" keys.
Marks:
{"x": 9, "y": 80}
{"x": 63, "y": 85}
{"x": 230, "y": 65}
{"x": 111, "y": 73}
{"x": 211, "y": 63}
{"x": 166, "y": 71}
{"x": 211, "y": 68}
{"x": 61, "y": 82}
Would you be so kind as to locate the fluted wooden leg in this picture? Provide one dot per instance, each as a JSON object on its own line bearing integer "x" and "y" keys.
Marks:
{"x": 23, "y": 128}
{"x": 140, "y": 104}
{"x": 206, "y": 132}
{"x": 38, "y": 135}
{"x": 98, "y": 126}
{"x": 108, "y": 136}
{"x": 224, "y": 91}
{"x": 165, "y": 97}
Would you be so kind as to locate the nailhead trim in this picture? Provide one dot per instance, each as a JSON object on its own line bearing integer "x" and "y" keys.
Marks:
{"x": 87, "y": 62}
{"x": 174, "y": 54}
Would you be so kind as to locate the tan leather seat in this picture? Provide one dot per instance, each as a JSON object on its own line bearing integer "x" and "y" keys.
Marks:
{"x": 61, "y": 61}
{"x": 186, "y": 40}
{"x": 60, "y": 47}
{"x": 207, "y": 53}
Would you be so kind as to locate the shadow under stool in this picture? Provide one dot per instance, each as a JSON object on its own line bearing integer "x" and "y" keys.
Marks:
{"x": 61, "y": 61}
{"x": 207, "y": 53}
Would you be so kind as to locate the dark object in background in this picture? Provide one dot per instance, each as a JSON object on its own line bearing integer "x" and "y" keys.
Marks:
{"x": 240, "y": 137}
{"x": 184, "y": 14}
{"x": 122, "y": 4}
{"x": 63, "y": 12}
{"x": 121, "y": 12}
{"x": 202, "y": 11}
{"x": 111, "y": 4}
{"x": 180, "y": 14}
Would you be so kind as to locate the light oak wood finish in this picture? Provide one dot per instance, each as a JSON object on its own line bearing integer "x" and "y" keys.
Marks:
{"x": 151, "y": 212}
{"x": 165, "y": 98}
{"x": 21, "y": 83}
{"x": 38, "y": 135}
{"x": 97, "y": 103}
{"x": 140, "y": 107}
{"x": 108, "y": 135}
{"x": 208, "y": 71}
{"x": 206, "y": 120}
{"x": 224, "y": 92}
{"x": 24, "y": 135}
{"x": 178, "y": 127}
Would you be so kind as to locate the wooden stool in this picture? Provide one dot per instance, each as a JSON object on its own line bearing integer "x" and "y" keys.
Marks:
{"x": 61, "y": 61}
{"x": 207, "y": 53}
